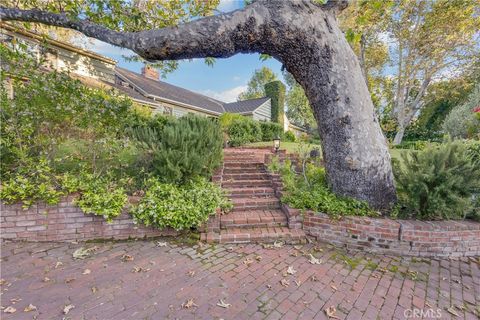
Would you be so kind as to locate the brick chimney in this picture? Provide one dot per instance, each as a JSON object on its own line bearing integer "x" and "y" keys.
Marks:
{"x": 149, "y": 72}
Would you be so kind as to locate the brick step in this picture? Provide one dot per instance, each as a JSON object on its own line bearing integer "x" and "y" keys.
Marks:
{"x": 241, "y": 165}
{"x": 243, "y": 170}
{"x": 245, "y": 176}
{"x": 246, "y": 184}
{"x": 255, "y": 203}
{"x": 246, "y": 235}
{"x": 237, "y": 157}
{"x": 253, "y": 219}
{"x": 246, "y": 192}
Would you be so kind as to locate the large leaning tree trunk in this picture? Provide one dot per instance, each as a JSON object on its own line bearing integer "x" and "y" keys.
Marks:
{"x": 305, "y": 37}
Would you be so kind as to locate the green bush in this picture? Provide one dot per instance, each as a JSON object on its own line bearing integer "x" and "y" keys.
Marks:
{"x": 437, "y": 183}
{"x": 275, "y": 90}
{"x": 98, "y": 195}
{"x": 31, "y": 183}
{"x": 310, "y": 191}
{"x": 244, "y": 130}
{"x": 290, "y": 136}
{"x": 179, "y": 206}
{"x": 270, "y": 131}
{"x": 181, "y": 149}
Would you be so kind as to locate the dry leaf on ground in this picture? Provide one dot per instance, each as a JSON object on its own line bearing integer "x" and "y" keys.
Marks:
{"x": 278, "y": 244}
{"x": 67, "y": 308}
{"x": 126, "y": 257}
{"x": 82, "y": 253}
{"x": 314, "y": 260}
{"x": 330, "y": 312}
{"x": 291, "y": 270}
{"x": 191, "y": 273}
{"x": 86, "y": 271}
{"x": 285, "y": 282}
{"x": 223, "y": 304}
{"x": 10, "y": 310}
{"x": 248, "y": 261}
{"x": 29, "y": 308}
{"x": 58, "y": 264}
{"x": 189, "y": 304}
{"x": 161, "y": 244}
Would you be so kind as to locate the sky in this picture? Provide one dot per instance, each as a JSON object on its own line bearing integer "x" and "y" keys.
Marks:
{"x": 224, "y": 81}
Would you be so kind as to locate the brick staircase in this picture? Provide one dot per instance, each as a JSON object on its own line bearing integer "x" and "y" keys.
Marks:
{"x": 256, "y": 215}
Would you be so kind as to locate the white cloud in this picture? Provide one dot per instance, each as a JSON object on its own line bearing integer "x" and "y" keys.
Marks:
{"x": 229, "y": 95}
{"x": 106, "y": 49}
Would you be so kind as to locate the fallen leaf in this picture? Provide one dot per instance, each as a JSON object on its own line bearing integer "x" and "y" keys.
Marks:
{"x": 82, "y": 253}
{"x": 86, "y": 271}
{"x": 298, "y": 283}
{"x": 127, "y": 257}
{"x": 248, "y": 261}
{"x": 94, "y": 289}
{"x": 291, "y": 270}
{"x": 2, "y": 282}
{"x": 298, "y": 247}
{"x": 333, "y": 287}
{"x": 317, "y": 249}
{"x": 161, "y": 244}
{"x": 294, "y": 254}
{"x": 269, "y": 286}
{"x": 428, "y": 304}
{"x": 46, "y": 279}
{"x": 330, "y": 312}
{"x": 10, "y": 310}
{"x": 29, "y": 308}
{"x": 453, "y": 311}
{"x": 313, "y": 278}
{"x": 136, "y": 269}
{"x": 58, "y": 264}
{"x": 191, "y": 273}
{"x": 15, "y": 300}
{"x": 189, "y": 303}
{"x": 285, "y": 282}
{"x": 258, "y": 258}
{"x": 278, "y": 244}
{"x": 67, "y": 308}
{"x": 314, "y": 260}
{"x": 223, "y": 304}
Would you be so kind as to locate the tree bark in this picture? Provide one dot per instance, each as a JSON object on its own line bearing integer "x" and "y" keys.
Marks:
{"x": 305, "y": 37}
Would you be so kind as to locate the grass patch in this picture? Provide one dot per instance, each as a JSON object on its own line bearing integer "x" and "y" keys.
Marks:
{"x": 291, "y": 147}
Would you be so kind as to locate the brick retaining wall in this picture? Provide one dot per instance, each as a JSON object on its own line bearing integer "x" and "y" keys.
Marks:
{"x": 398, "y": 237}
{"x": 67, "y": 222}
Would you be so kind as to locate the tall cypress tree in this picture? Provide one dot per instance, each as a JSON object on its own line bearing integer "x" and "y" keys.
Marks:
{"x": 275, "y": 90}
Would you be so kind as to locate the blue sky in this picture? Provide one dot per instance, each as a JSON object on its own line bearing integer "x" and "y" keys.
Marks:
{"x": 224, "y": 81}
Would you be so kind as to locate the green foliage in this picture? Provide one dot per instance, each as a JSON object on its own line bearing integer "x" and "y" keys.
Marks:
{"x": 100, "y": 196}
{"x": 179, "y": 206}
{"x": 461, "y": 122}
{"x": 271, "y": 130}
{"x": 31, "y": 183}
{"x": 437, "y": 183}
{"x": 310, "y": 191}
{"x": 181, "y": 149}
{"x": 275, "y": 90}
{"x": 290, "y": 136}
{"x": 298, "y": 107}
{"x": 255, "y": 88}
{"x": 243, "y": 131}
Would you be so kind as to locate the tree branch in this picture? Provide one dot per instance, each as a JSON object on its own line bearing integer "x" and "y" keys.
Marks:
{"x": 216, "y": 36}
{"x": 122, "y": 39}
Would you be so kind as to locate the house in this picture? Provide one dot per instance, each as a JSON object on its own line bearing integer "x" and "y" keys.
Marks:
{"x": 144, "y": 88}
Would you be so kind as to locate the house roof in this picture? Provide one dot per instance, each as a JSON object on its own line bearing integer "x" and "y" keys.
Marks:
{"x": 163, "y": 90}
{"x": 245, "y": 106}
{"x": 61, "y": 44}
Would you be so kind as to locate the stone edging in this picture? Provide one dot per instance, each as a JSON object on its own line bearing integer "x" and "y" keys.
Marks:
{"x": 67, "y": 222}
{"x": 387, "y": 236}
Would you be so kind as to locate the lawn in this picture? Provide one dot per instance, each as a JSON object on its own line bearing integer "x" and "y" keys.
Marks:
{"x": 293, "y": 147}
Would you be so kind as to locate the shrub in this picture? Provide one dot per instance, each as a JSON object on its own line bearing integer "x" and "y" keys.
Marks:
{"x": 181, "y": 149}
{"x": 179, "y": 206}
{"x": 310, "y": 191}
{"x": 437, "y": 183}
{"x": 461, "y": 122}
{"x": 244, "y": 130}
{"x": 99, "y": 195}
{"x": 290, "y": 136}
{"x": 31, "y": 183}
{"x": 271, "y": 130}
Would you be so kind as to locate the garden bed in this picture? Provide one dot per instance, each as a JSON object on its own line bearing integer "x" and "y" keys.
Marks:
{"x": 67, "y": 222}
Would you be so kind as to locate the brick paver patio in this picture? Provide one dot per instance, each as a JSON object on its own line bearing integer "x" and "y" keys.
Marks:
{"x": 162, "y": 280}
